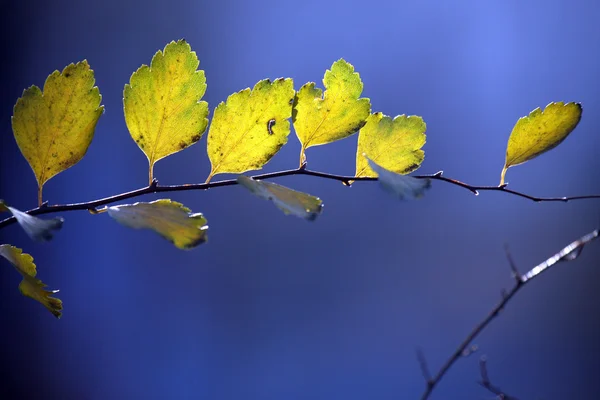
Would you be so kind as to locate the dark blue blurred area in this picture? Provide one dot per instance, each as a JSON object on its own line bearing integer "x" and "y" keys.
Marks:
{"x": 274, "y": 307}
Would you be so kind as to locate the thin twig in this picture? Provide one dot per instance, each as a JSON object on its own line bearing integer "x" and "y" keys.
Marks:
{"x": 424, "y": 367}
{"x": 154, "y": 187}
{"x": 486, "y": 383}
{"x": 513, "y": 267}
{"x": 568, "y": 253}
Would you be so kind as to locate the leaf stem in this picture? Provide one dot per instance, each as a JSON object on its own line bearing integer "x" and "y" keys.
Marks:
{"x": 154, "y": 187}
{"x": 502, "y": 175}
{"x": 40, "y": 201}
{"x": 302, "y": 157}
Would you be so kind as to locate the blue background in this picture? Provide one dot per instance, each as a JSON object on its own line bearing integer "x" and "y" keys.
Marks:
{"x": 274, "y": 307}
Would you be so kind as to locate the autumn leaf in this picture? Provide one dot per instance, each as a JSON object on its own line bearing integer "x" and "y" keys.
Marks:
{"x": 400, "y": 186}
{"x": 540, "y": 132}
{"x": 162, "y": 104}
{"x": 291, "y": 202}
{"x": 54, "y": 129}
{"x": 251, "y": 127}
{"x": 394, "y": 144}
{"x": 30, "y": 286}
{"x": 170, "y": 219}
{"x": 36, "y": 228}
{"x": 321, "y": 118}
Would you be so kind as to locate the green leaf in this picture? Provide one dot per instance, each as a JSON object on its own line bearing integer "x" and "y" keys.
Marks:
{"x": 394, "y": 144}
{"x": 287, "y": 200}
{"x": 251, "y": 127}
{"x": 162, "y": 104}
{"x": 54, "y": 130}
{"x": 30, "y": 286}
{"x": 400, "y": 186}
{"x": 321, "y": 119}
{"x": 36, "y": 228}
{"x": 539, "y": 132}
{"x": 170, "y": 219}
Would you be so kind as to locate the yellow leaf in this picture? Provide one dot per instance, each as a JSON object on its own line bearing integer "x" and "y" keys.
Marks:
{"x": 54, "y": 129}
{"x": 251, "y": 127}
{"x": 394, "y": 144}
{"x": 170, "y": 219}
{"x": 289, "y": 201}
{"x": 3, "y": 206}
{"x": 320, "y": 119}
{"x": 539, "y": 132}
{"x": 30, "y": 286}
{"x": 162, "y": 104}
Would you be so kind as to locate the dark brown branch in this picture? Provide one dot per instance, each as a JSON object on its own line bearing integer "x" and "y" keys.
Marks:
{"x": 568, "y": 253}
{"x": 154, "y": 187}
{"x": 486, "y": 383}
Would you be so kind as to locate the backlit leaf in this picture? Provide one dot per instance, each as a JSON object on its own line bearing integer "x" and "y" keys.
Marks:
{"x": 30, "y": 286}
{"x": 287, "y": 200}
{"x": 37, "y": 228}
{"x": 394, "y": 144}
{"x": 251, "y": 127}
{"x": 54, "y": 129}
{"x": 539, "y": 132}
{"x": 338, "y": 113}
{"x": 162, "y": 104}
{"x": 170, "y": 219}
{"x": 400, "y": 186}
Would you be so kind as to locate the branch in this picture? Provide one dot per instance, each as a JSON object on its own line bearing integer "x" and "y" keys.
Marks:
{"x": 424, "y": 367}
{"x": 570, "y": 252}
{"x": 154, "y": 187}
{"x": 485, "y": 382}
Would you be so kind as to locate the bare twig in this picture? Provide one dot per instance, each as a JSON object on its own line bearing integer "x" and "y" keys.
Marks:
{"x": 486, "y": 383}
{"x": 154, "y": 187}
{"x": 424, "y": 367}
{"x": 515, "y": 272}
{"x": 568, "y": 253}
